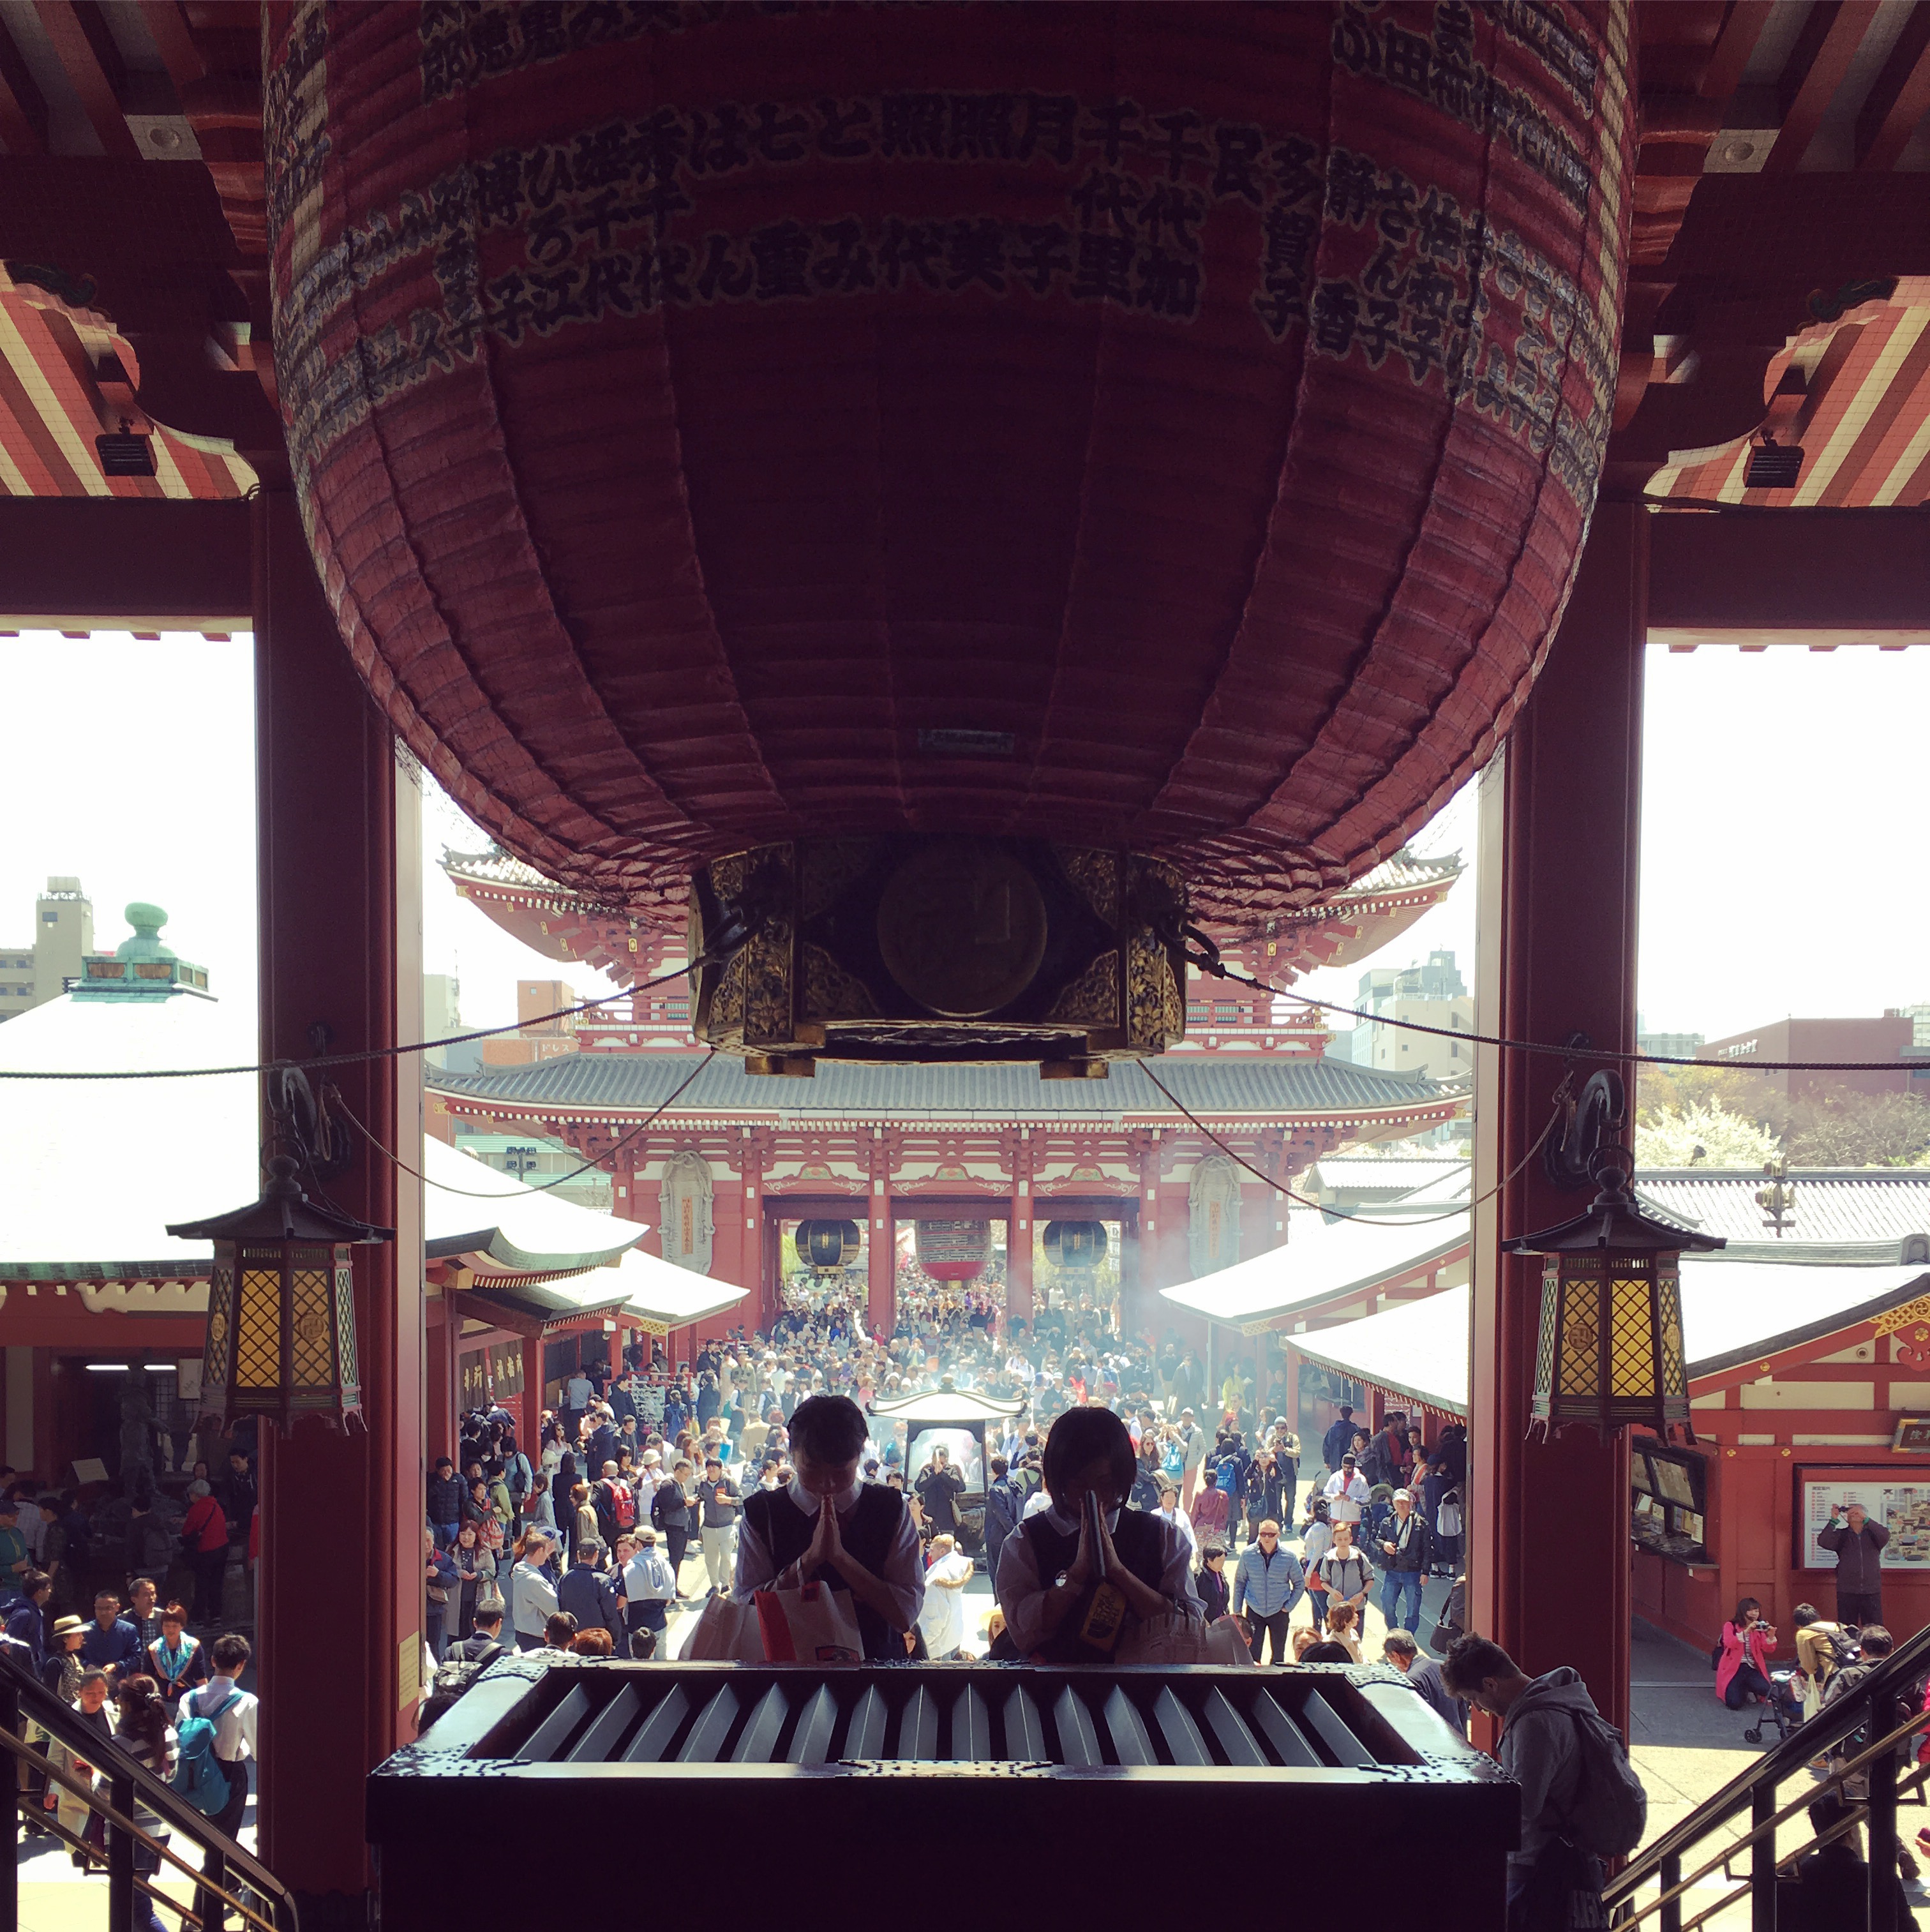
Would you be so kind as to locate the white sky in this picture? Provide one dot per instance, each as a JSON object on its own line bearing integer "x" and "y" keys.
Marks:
{"x": 1783, "y": 821}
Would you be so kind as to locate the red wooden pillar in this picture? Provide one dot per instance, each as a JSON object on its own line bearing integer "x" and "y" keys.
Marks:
{"x": 529, "y": 1404}
{"x": 442, "y": 1321}
{"x": 881, "y": 1268}
{"x": 341, "y": 947}
{"x": 1549, "y": 1552}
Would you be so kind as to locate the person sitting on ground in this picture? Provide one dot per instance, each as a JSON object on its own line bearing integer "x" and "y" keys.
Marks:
{"x": 1049, "y": 1574}
{"x": 1742, "y": 1669}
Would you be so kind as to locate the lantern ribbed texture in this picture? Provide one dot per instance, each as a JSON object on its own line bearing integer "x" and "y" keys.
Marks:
{"x": 1163, "y": 428}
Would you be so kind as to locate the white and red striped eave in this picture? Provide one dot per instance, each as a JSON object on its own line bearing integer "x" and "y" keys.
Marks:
{"x": 67, "y": 378}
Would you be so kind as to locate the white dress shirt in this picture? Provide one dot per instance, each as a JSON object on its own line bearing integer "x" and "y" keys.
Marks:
{"x": 1021, "y": 1590}
{"x": 234, "y": 1729}
{"x": 902, "y": 1572}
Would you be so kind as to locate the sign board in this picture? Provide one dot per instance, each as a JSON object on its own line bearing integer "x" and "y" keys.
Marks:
{"x": 89, "y": 1469}
{"x": 1902, "y": 1508}
{"x": 1913, "y": 1436}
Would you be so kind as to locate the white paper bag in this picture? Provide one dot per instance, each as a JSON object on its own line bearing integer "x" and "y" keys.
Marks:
{"x": 813, "y": 1623}
{"x": 726, "y": 1632}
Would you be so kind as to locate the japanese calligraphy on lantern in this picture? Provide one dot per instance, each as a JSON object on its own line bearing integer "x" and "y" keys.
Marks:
{"x": 1157, "y": 211}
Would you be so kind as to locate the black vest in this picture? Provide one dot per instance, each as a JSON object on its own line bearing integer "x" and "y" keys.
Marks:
{"x": 1141, "y": 1549}
{"x": 869, "y": 1533}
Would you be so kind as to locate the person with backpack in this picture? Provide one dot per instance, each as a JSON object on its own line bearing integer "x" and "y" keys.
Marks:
{"x": 214, "y": 1728}
{"x": 144, "y": 1734}
{"x": 615, "y": 1505}
{"x": 1581, "y": 1802}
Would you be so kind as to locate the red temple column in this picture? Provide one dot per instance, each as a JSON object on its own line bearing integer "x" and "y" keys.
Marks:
{"x": 881, "y": 1268}
{"x": 338, "y": 856}
{"x": 1020, "y": 1236}
{"x": 1549, "y": 1552}
{"x": 529, "y": 1404}
{"x": 440, "y": 1412}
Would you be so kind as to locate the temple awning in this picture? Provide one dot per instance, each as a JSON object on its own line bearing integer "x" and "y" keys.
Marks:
{"x": 935, "y": 1407}
{"x": 518, "y": 1230}
{"x": 1322, "y": 1260}
{"x": 660, "y": 1296}
{"x": 1734, "y": 1314}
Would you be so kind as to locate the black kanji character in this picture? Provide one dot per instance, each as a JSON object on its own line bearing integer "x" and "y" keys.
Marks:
{"x": 918, "y": 246}
{"x": 492, "y": 44}
{"x": 843, "y": 133}
{"x": 719, "y": 141}
{"x": 1107, "y": 200}
{"x": 544, "y": 30}
{"x": 1181, "y": 148}
{"x": 848, "y": 268}
{"x": 1113, "y": 127}
{"x": 1290, "y": 235}
{"x": 1421, "y": 345}
{"x": 779, "y": 137}
{"x": 1237, "y": 171}
{"x": 1280, "y": 304}
{"x": 660, "y": 199}
{"x": 662, "y": 276}
{"x": 1104, "y": 270}
{"x": 1295, "y": 175}
{"x": 723, "y": 277}
{"x": 1428, "y": 292}
{"x": 982, "y": 127}
{"x": 607, "y": 280}
{"x": 975, "y": 252}
{"x": 913, "y": 126}
{"x": 1337, "y": 314}
{"x": 1379, "y": 278}
{"x": 659, "y": 145}
{"x": 1379, "y": 329}
{"x": 1168, "y": 283}
{"x": 1171, "y": 212}
{"x": 605, "y": 210}
{"x": 547, "y": 239}
{"x": 601, "y": 156}
{"x": 1396, "y": 218}
{"x": 781, "y": 253}
{"x": 1050, "y": 121}
{"x": 1438, "y": 229}
{"x": 545, "y": 175}
{"x": 1409, "y": 58}
{"x": 499, "y": 189}
{"x": 1042, "y": 254}
{"x": 1353, "y": 188}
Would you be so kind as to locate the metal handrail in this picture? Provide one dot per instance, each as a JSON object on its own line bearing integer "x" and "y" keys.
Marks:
{"x": 1768, "y": 1826}
{"x": 1909, "y": 1661}
{"x": 21, "y": 1693}
{"x": 109, "y": 1813}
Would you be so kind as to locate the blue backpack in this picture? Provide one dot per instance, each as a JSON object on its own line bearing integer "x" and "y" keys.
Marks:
{"x": 198, "y": 1775}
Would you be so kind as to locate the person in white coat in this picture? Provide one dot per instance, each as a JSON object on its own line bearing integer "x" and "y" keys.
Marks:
{"x": 941, "y": 1620}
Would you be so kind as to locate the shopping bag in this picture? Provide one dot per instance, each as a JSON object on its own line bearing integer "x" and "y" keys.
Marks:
{"x": 813, "y": 1623}
{"x": 726, "y": 1632}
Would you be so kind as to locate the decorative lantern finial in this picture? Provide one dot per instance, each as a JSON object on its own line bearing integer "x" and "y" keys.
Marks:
{"x": 1611, "y": 1352}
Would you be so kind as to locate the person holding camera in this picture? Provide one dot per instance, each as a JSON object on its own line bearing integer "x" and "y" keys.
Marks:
{"x": 1858, "y": 1544}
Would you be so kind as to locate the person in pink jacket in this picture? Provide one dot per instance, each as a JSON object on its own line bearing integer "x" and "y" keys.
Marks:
{"x": 1742, "y": 1669}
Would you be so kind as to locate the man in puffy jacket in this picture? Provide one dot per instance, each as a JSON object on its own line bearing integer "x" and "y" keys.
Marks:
{"x": 588, "y": 1598}
{"x": 445, "y": 1498}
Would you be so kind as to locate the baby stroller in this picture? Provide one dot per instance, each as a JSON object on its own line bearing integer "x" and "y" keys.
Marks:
{"x": 1783, "y": 1707}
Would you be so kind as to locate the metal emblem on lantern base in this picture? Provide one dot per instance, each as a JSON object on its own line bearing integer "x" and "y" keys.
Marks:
{"x": 915, "y": 948}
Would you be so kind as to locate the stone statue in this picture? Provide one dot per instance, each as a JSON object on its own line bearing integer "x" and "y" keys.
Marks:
{"x": 136, "y": 1436}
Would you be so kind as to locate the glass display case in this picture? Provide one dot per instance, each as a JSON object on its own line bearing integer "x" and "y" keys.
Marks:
{"x": 1668, "y": 1508}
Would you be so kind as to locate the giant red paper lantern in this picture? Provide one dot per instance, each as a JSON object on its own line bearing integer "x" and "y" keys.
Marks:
{"x": 1149, "y": 430}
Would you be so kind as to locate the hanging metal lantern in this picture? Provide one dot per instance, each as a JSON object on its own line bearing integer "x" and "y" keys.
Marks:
{"x": 826, "y": 1244}
{"x": 1611, "y": 1352}
{"x": 1076, "y": 1244}
{"x": 281, "y": 1324}
{"x": 954, "y": 1250}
